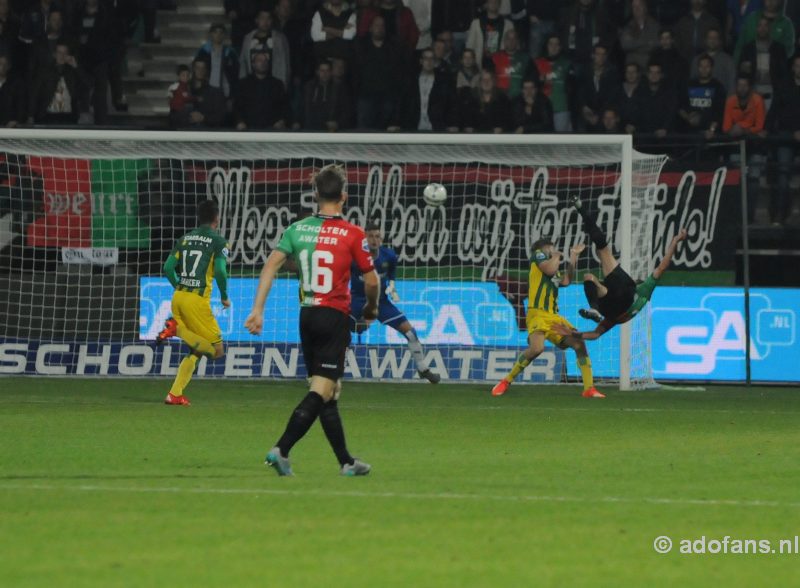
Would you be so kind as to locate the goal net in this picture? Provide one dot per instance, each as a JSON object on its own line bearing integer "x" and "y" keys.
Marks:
{"x": 87, "y": 219}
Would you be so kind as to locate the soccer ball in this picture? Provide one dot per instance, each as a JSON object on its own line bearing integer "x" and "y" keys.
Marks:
{"x": 434, "y": 194}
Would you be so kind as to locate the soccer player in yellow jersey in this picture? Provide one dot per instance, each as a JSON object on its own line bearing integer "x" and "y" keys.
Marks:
{"x": 543, "y": 318}
{"x": 198, "y": 257}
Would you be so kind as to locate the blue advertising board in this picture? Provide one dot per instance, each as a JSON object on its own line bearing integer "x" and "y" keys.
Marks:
{"x": 697, "y": 333}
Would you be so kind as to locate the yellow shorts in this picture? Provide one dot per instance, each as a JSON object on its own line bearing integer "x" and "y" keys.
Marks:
{"x": 194, "y": 312}
{"x": 543, "y": 322}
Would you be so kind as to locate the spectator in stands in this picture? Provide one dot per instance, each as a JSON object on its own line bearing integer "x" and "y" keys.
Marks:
{"x": 640, "y": 35}
{"x": 736, "y": 11}
{"x": 531, "y": 110}
{"x": 179, "y": 93}
{"x": 512, "y": 65}
{"x": 627, "y": 99}
{"x": 487, "y": 31}
{"x": 57, "y": 94}
{"x": 691, "y": 30}
{"x": 674, "y": 66}
{"x": 422, "y": 10}
{"x": 241, "y": 14}
{"x": 12, "y": 97}
{"x": 610, "y": 122}
{"x": 428, "y": 104}
{"x": 43, "y": 48}
{"x": 744, "y": 111}
{"x": 486, "y": 110}
{"x": 543, "y": 16}
{"x": 377, "y": 91}
{"x": 783, "y": 121}
{"x": 781, "y": 28}
{"x": 35, "y": 19}
{"x": 668, "y": 12}
{"x": 449, "y": 57}
{"x": 584, "y": 26}
{"x": 764, "y": 60}
{"x": 399, "y": 23}
{"x": 333, "y": 29}
{"x": 744, "y": 118}
{"x": 147, "y": 10}
{"x": 327, "y": 103}
{"x": 704, "y": 101}
{"x": 467, "y": 75}
{"x": 555, "y": 74}
{"x": 724, "y": 68}
{"x": 9, "y": 30}
{"x": 658, "y": 104}
{"x": 596, "y": 89}
{"x": 92, "y": 25}
{"x": 221, "y": 60}
{"x": 442, "y": 65}
{"x": 207, "y": 105}
{"x": 261, "y": 100}
{"x": 265, "y": 38}
{"x": 117, "y": 59}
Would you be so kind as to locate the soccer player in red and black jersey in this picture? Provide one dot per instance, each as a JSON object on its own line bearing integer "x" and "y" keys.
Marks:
{"x": 324, "y": 246}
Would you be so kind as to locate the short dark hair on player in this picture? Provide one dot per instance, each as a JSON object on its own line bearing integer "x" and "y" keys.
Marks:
{"x": 541, "y": 243}
{"x": 207, "y": 212}
{"x": 330, "y": 182}
{"x": 372, "y": 226}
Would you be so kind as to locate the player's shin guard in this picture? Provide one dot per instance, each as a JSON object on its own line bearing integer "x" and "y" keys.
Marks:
{"x": 196, "y": 342}
{"x": 185, "y": 371}
{"x": 521, "y": 363}
{"x": 300, "y": 422}
{"x": 332, "y": 425}
{"x": 416, "y": 350}
{"x": 585, "y": 366}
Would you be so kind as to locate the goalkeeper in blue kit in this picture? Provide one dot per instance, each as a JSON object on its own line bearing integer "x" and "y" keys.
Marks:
{"x": 385, "y": 261}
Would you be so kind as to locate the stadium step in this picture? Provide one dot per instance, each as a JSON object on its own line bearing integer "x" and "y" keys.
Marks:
{"x": 151, "y": 66}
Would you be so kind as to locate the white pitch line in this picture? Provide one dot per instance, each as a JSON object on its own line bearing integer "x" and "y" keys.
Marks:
{"x": 249, "y": 405}
{"x": 406, "y": 495}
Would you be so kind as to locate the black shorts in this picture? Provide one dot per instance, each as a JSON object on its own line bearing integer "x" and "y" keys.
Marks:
{"x": 621, "y": 293}
{"x": 324, "y": 336}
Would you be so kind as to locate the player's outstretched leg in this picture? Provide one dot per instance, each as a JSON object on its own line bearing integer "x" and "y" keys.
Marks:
{"x": 186, "y": 369}
{"x": 585, "y": 367}
{"x": 299, "y": 423}
{"x": 331, "y": 423}
{"x": 414, "y": 345}
{"x": 607, "y": 261}
{"x": 535, "y": 348}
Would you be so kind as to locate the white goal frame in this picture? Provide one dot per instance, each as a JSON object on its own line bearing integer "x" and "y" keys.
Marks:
{"x": 95, "y": 144}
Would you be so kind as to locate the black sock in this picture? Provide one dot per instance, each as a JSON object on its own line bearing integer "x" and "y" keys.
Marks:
{"x": 590, "y": 289}
{"x": 300, "y": 422}
{"x": 332, "y": 425}
{"x": 591, "y": 229}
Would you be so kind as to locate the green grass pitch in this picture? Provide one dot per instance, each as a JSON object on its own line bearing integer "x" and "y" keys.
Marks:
{"x": 102, "y": 485}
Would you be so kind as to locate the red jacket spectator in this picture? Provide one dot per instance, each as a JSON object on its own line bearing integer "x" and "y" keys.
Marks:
{"x": 402, "y": 28}
{"x": 744, "y": 109}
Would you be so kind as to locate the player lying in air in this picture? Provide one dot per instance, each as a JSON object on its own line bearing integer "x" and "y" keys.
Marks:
{"x": 388, "y": 314}
{"x": 543, "y": 319}
{"x": 616, "y": 299}
{"x": 198, "y": 256}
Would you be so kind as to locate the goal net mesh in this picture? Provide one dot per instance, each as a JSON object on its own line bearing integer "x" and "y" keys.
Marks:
{"x": 86, "y": 224}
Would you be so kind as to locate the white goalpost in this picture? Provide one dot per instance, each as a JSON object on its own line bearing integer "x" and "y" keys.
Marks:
{"x": 88, "y": 217}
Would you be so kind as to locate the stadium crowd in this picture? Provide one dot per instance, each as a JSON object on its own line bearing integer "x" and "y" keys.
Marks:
{"x": 724, "y": 66}
{"x": 709, "y": 68}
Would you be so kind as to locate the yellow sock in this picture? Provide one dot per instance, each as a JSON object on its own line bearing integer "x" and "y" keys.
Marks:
{"x": 521, "y": 363}
{"x": 585, "y": 365}
{"x": 195, "y": 341}
{"x": 185, "y": 371}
